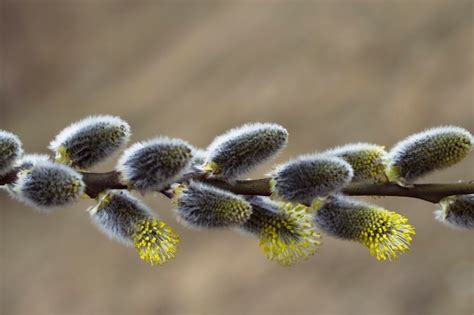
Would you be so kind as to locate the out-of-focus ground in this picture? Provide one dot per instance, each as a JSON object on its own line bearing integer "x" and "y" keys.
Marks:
{"x": 332, "y": 72}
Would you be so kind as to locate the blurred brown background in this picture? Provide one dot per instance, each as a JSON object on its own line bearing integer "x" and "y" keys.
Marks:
{"x": 332, "y": 72}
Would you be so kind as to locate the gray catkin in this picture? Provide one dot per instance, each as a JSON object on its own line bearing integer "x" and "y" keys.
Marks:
{"x": 154, "y": 164}
{"x": 457, "y": 211}
{"x": 46, "y": 185}
{"x": 203, "y": 206}
{"x": 90, "y": 141}
{"x": 241, "y": 149}
{"x": 310, "y": 176}
{"x": 427, "y": 151}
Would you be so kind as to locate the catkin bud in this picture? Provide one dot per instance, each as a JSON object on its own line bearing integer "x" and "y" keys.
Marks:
{"x": 286, "y": 232}
{"x": 366, "y": 159}
{"x": 241, "y": 149}
{"x": 47, "y": 185}
{"x": 90, "y": 141}
{"x": 204, "y": 206}
{"x": 154, "y": 164}
{"x": 457, "y": 211}
{"x": 310, "y": 176}
{"x": 385, "y": 233}
{"x": 126, "y": 219}
{"x": 10, "y": 151}
{"x": 427, "y": 151}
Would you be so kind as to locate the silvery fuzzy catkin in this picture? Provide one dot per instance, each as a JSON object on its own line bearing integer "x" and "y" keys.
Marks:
{"x": 427, "y": 151}
{"x": 366, "y": 159}
{"x": 457, "y": 211}
{"x": 90, "y": 141}
{"x": 27, "y": 161}
{"x": 126, "y": 219}
{"x": 286, "y": 232}
{"x": 154, "y": 164}
{"x": 203, "y": 206}
{"x": 241, "y": 149}
{"x": 310, "y": 176}
{"x": 385, "y": 233}
{"x": 46, "y": 185}
{"x": 10, "y": 151}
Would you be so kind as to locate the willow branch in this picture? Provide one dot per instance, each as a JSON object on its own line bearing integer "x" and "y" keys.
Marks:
{"x": 99, "y": 182}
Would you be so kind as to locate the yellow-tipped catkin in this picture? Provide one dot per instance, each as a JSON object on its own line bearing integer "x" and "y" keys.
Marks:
{"x": 427, "y": 151}
{"x": 154, "y": 241}
{"x": 126, "y": 219}
{"x": 457, "y": 211}
{"x": 366, "y": 159}
{"x": 286, "y": 231}
{"x": 385, "y": 233}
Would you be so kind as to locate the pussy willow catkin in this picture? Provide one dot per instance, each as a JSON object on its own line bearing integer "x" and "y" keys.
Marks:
{"x": 241, "y": 149}
{"x": 310, "y": 176}
{"x": 90, "y": 141}
{"x": 45, "y": 185}
{"x": 427, "y": 151}
{"x": 154, "y": 164}
{"x": 457, "y": 211}
{"x": 126, "y": 219}
{"x": 203, "y": 206}
{"x": 385, "y": 233}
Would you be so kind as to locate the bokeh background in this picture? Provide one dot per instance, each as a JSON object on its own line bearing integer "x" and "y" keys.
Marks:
{"x": 332, "y": 72}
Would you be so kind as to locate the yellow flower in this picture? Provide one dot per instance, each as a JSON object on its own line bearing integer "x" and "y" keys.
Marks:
{"x": 154, "y": 241}
{"x": 385, "y": 233}
{"x": 286, "y": 232}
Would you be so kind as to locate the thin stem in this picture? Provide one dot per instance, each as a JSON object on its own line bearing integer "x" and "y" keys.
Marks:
{"x": 98, "y": 182}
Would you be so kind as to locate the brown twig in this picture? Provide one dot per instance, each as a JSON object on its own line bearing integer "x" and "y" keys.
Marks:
{"x": 98, "y": 182}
